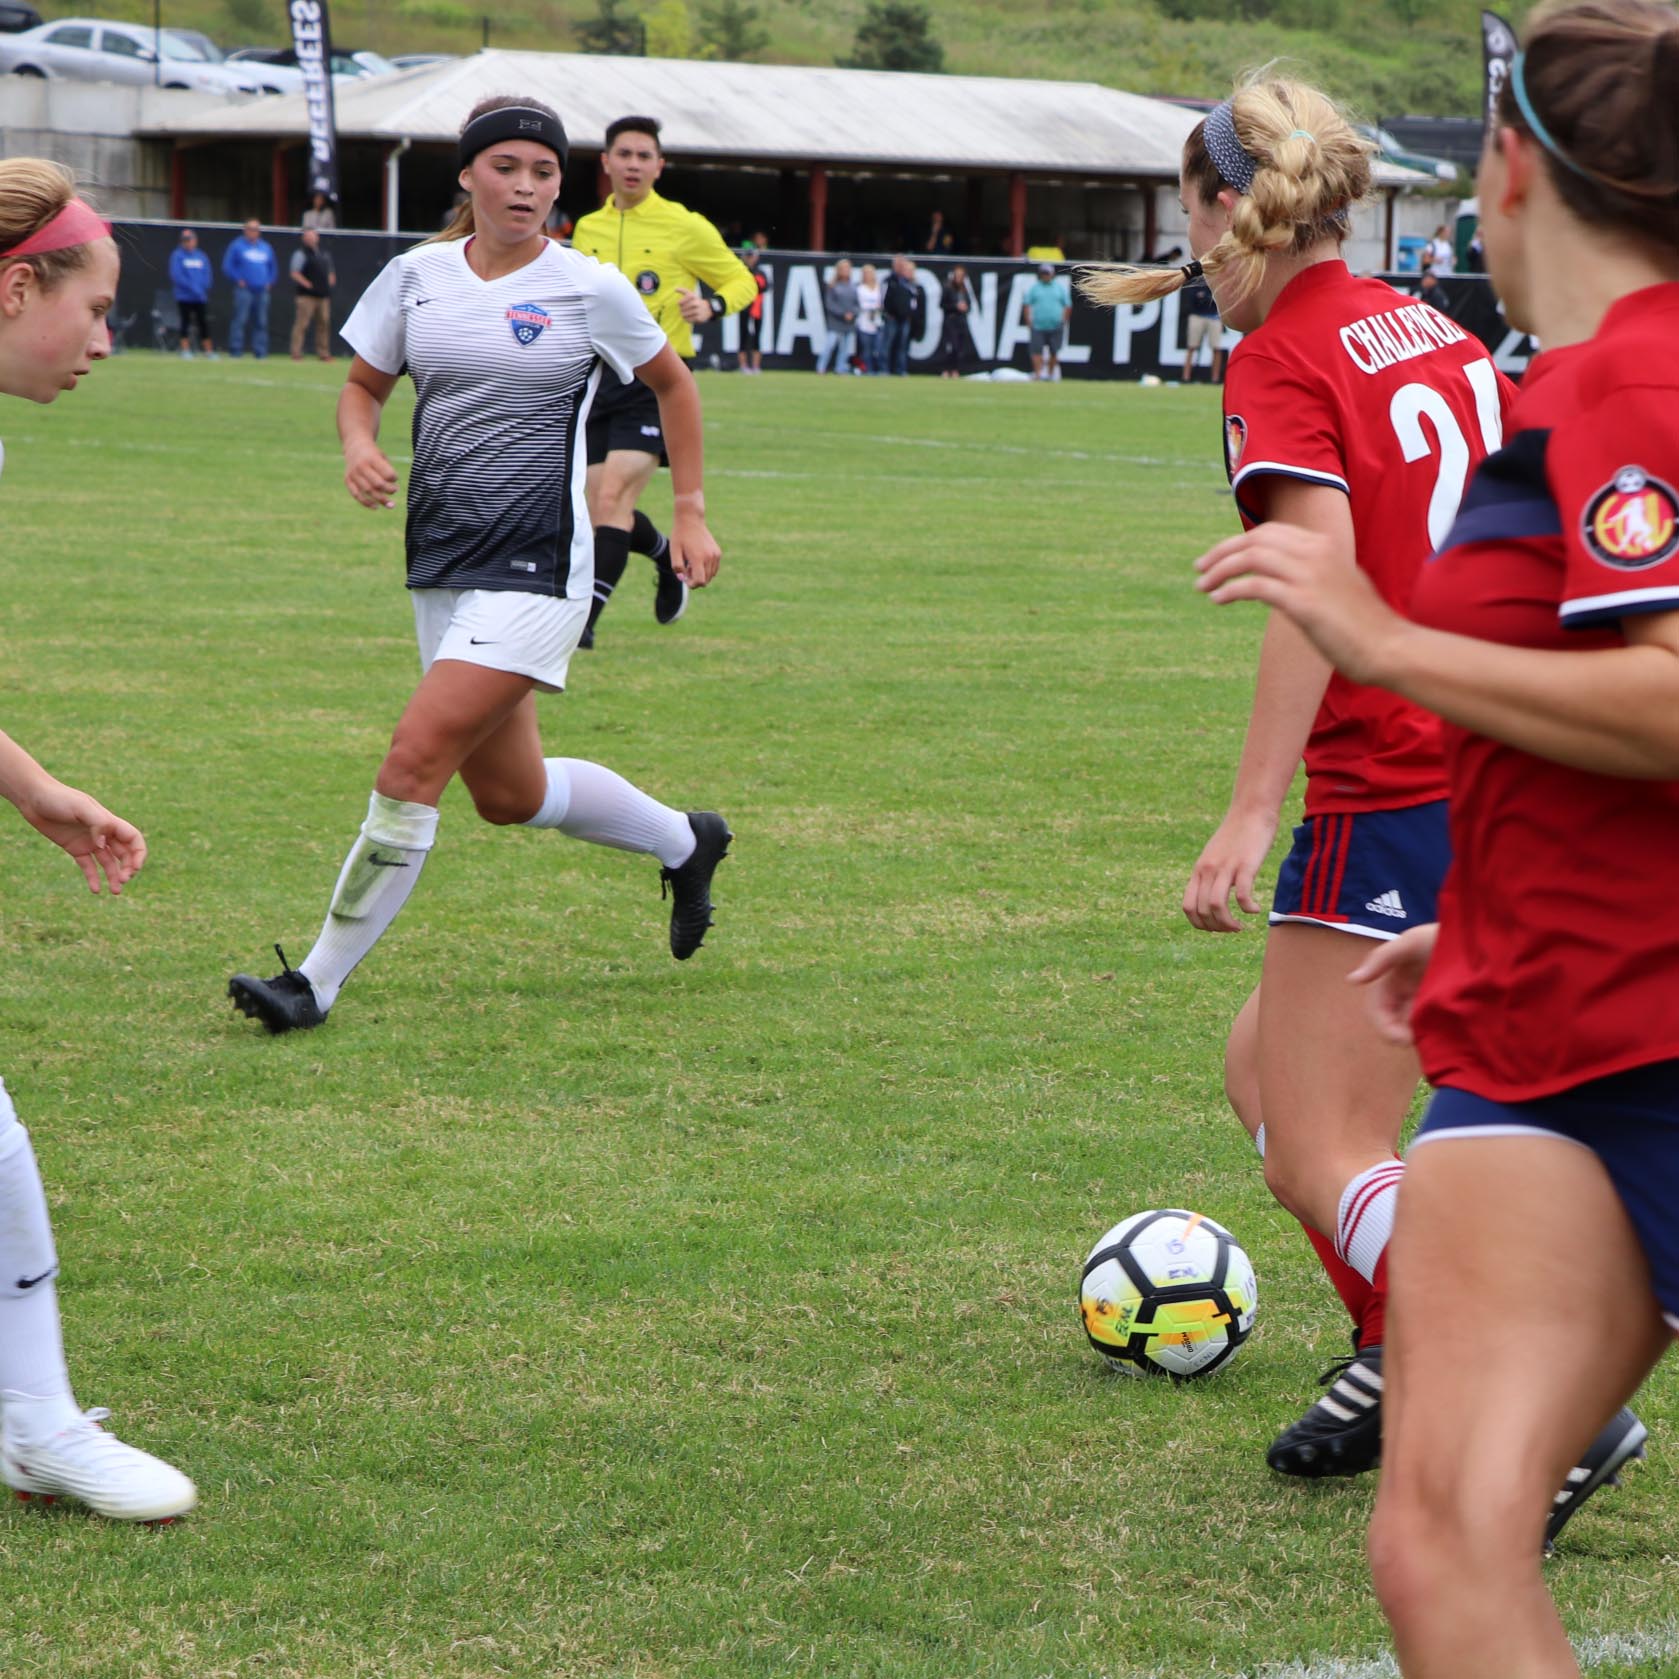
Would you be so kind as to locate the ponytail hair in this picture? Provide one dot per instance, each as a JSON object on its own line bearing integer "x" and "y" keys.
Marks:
{"x": 462, "y": 225}
{"x": 1309, "y": 168}
{"x": 33, "y": 191}
{"x": 1601, "y": 80}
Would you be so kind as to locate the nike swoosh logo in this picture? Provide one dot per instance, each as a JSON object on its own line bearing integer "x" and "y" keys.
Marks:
{"x": 30, "y": 1282}
{"x": 474, "y": 641}
{"x": 385, "y": 862}
{"x": 421, "y": 302}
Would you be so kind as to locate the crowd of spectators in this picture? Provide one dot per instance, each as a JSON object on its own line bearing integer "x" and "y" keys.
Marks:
{"x": 251, "y": 268}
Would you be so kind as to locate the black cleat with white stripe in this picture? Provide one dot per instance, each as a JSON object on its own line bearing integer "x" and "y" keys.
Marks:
{"x": 1621, "y": 1439}
{"x": 1342, "y": 1433}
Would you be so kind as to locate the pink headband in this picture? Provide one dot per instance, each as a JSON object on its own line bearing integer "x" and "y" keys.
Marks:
{"x": 76, "y": 224}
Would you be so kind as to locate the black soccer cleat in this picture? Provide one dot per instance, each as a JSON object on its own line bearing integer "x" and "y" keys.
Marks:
{"x": 670, "y": 597}
{"x": 1621, "y": 1440}
{"x": 1342, "y": 1433}
{"x": 690, "y": 886}
{"x": 285, "y": 1003}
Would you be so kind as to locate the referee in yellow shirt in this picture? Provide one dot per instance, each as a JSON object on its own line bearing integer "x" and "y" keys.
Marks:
{"x": 664, "y": 251}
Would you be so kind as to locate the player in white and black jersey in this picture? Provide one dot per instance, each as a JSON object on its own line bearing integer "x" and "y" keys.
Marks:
{"x": 506, "y": 337}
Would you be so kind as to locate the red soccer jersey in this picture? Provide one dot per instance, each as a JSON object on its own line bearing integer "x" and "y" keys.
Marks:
{"x": 1558, "y": 958}
{"x": 1354, "y": 385}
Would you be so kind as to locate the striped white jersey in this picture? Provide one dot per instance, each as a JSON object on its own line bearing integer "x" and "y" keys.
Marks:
{"x": 504, "y": 371}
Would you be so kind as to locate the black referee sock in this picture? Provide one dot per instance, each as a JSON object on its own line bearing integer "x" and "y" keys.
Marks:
{"x": 646, "y": 538}
{"x": 612, "y": 555}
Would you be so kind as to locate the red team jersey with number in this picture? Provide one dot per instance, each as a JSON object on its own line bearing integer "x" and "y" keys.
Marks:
{"x": 1354, "y": 385}
{"x": 1558, "y": 956}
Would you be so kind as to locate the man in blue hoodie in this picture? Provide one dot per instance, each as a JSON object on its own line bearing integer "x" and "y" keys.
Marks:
{"x": 192, "y": 274}
{"x": 251, "y": 266}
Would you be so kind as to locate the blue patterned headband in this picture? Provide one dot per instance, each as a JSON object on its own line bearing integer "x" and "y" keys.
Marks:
{"x": 1524, "y": 104}
{"x": 1235, "y": 164}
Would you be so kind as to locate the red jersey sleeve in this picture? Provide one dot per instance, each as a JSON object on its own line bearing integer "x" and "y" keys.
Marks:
{"x": 1614, "y": 475}
{"x": 1280, "y": 421}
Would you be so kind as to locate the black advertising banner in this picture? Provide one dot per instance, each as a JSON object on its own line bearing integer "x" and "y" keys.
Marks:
{"x": 1139, "y": 341}
{"x": 1498, "y": 51}
{"x": 311, "y": 34}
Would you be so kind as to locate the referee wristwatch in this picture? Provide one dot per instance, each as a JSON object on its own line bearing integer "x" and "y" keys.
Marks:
{"x": 716, "y": 306}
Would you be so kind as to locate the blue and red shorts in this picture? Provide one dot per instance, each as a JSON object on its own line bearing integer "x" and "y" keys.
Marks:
{"x": 1371, "y": 872}
{"x": 1629, "y": 1120}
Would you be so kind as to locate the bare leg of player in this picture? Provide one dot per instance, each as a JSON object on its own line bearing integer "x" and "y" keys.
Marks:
{"x": 1479, "y": 1436}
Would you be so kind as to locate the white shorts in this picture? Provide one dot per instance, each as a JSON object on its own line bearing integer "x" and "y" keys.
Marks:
{"x": 1202, "y": 327}
{"x": 501, "y": 629}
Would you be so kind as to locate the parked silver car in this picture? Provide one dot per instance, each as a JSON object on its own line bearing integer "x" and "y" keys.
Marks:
{"x": 98, "y": 50}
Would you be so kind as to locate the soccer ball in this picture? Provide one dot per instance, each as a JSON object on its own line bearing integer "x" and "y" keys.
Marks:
{"x": 1168, "y": 1293}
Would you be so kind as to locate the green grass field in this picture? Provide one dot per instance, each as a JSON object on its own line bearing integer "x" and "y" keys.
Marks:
{"x": 557, "y": 1310}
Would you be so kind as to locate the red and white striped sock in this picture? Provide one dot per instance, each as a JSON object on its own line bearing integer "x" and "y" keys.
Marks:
{"x": 1365, "y": 1219}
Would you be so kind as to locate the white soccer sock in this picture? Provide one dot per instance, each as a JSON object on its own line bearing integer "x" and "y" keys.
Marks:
{"x": 34, "y": 1383}
{"x": 373, "y": 885}
{"x": 590, "y": 802}
{"x": 1365, "y": 1219}
{"x": 1259, "y": 1141}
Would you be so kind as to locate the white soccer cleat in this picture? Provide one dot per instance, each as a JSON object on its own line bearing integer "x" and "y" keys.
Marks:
{"x": 112, "y": 1479}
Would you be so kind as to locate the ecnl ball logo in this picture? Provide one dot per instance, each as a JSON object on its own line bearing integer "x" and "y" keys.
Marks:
{"x": 1633, "y": 521}
{"x": 528, "y": 321}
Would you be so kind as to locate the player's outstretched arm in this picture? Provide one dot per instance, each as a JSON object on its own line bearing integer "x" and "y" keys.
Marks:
{"x": 707, "y": 256}
{"x": 694, "y": 553}
{"x": 100, "y": 842}
{"x": 1287, "y": 695}
{"x": 368, "y": 473}
{"x": 1614, "y": 711}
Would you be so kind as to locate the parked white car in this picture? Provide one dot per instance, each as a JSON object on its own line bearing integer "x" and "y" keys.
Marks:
{"x": 97, "y": 50}
{"x": 271, "y": 78}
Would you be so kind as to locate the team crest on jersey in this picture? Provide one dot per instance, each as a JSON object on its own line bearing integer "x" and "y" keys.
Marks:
{"x": 528, "y": 321}
{"x": 1235, "y": 439}
{"x": 1633, "y": 521}
{"x": 647, "y": 281}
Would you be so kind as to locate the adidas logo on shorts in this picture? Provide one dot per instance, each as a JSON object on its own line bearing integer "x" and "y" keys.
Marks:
{"x": 1387, "y": 904}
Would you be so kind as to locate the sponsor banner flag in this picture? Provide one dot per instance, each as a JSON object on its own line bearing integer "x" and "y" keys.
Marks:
{"x": 311, "y": 33}
{"x": 1498, "y": 51}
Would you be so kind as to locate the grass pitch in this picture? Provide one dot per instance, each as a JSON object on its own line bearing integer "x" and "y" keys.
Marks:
{"x": 557, "y": 1310}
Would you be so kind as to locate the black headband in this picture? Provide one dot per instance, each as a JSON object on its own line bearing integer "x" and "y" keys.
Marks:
{"x": 513, "y": 122}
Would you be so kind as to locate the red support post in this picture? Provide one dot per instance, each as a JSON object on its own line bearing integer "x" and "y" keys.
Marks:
{"x": 1151, "y": 222}
{"x": 1017, "y": 215}
{"x": 818, "y": 208}
{"x": 281, "y": 217}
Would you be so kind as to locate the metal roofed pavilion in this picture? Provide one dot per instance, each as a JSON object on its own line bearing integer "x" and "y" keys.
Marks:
{"x": 762, "y": 111}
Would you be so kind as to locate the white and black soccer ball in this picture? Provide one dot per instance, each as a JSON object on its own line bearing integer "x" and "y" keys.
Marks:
{"x": 1168, "y": 1293}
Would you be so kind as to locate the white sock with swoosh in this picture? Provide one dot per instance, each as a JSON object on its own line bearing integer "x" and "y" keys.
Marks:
{"x": 34, "y": 1383}
{"x": 373, "y": 885}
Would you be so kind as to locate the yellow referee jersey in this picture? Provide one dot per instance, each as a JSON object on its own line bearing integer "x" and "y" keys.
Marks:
{"x": 661, "y": 249}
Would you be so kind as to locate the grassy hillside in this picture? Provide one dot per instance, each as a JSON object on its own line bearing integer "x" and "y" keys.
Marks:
{"x": 1385, "y": 56}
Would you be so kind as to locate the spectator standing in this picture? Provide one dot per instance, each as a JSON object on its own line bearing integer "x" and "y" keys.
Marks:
{"x": 191, "y": 273}
{"x": 1049, "y": 306}
{"x": 1202, "y": 325}
{"x": 1431, "y": 292}
{"x": 902, "y": 306}
{"x": 250, "y": 264}
{"x": 320, "y": 215}
{"x": 840, "y": 306}
{"x": 936, "y": 234}
{"x": 314, "y": 277}
{"x": 871, "y": 333}
{"x": 953, "y": 339}
{"x": 1475, "y": 258}
{"x": 752, "y": 317}
{"x": 1441, "y": 254}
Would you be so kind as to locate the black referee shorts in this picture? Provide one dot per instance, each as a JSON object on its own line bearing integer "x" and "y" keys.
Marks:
{"x": 624, "y": 417}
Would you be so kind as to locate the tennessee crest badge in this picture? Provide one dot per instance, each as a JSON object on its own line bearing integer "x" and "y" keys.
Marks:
{"x": 1632, "y": 522}
{"x": 1235, "y": 439}
{"x": 528, "y": 321}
